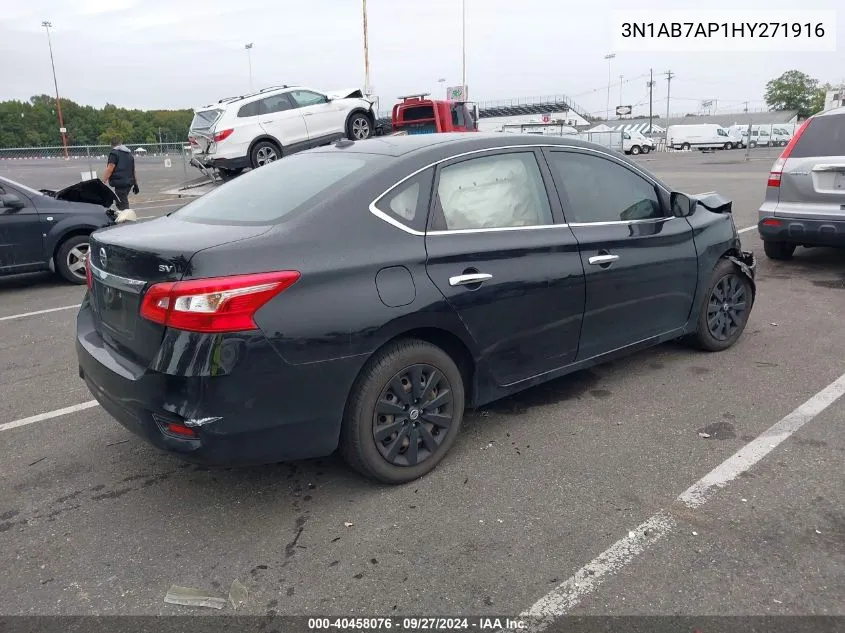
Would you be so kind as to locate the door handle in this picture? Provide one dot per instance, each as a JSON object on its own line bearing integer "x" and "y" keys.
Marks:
{"x": 308, "y": 114}
{"x": 267, "y": 121}
{"x": 469, "y": 280}
{"x": 600, "y": 260}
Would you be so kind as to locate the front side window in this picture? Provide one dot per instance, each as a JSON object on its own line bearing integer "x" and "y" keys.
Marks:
{"x": 600, "y": 190}
{"x": 500, "y": 191}
{"x": 721, "y": 132}
{"x": 305, "y": 98}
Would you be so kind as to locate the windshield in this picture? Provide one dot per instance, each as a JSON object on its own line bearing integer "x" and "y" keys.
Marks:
{"x": 270, "y": 193}
{"x": 205, "y": 119}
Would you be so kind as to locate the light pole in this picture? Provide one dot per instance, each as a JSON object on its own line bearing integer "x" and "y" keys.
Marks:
{"x": 248, "y": 48}
{"x": 620, "y": 89}
{"x": 442, "y": 82}
{"x": 62, "y": 129}
{"x": 464, "y": 48}
{"x": 608, "y": 57}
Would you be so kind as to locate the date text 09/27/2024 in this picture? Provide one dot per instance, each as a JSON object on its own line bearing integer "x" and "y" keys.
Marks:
{"x": 417, "y": 624}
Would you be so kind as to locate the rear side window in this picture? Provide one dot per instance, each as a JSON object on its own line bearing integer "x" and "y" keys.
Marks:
{"x": 250, "y": 109}
{"x": 276, "y": 103}
{"x": 493, "y": 192}
{"x": 408, "y": 202}
{"x": 273, "y": 192}
{"x": 824, "y": 136}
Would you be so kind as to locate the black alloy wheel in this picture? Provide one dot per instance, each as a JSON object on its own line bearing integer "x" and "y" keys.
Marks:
{"x": 727, "y": 307}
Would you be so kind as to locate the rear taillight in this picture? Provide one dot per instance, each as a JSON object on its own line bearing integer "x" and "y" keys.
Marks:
{"x": 192, "y": 140}
{"x": 88, "y": 276}
{"x": 219, "y": 304}
{"x": 777, "y": 168}
{"x": 772, "y": 222}
{"x": 222, "y": 135}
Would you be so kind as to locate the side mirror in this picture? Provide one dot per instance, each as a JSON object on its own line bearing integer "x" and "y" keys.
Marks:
{"x": 682, "y": 205}
{"x": 11, "y": 201}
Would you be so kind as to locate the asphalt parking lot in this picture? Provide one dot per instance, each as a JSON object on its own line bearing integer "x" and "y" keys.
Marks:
{"x": 593, "y": 494}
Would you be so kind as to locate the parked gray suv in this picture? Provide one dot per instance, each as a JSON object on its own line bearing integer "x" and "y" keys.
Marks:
{"x": 805, "y": 196}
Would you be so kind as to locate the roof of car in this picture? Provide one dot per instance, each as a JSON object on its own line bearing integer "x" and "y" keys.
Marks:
{"x": 832, "y": 111}
{"x": 401, "y": 145}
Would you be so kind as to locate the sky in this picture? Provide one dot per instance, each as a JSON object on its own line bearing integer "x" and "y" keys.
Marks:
{"x": 168, "y": 54}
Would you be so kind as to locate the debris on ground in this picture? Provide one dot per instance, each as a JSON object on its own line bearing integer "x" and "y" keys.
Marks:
{"x": 238, "y": 593}
{"x": 695, "y": 533}
{"x": 190, "y": 597}
{"x": 774, "y": 324}
{"x": 348, "y": 524}
{"x": 704, "y": 435}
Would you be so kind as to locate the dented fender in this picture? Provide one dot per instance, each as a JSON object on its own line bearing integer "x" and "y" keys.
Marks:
{"x": 746, "y": 261}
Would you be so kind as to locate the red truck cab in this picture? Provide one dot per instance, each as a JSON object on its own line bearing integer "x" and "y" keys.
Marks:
{"x": 416, "y": 114}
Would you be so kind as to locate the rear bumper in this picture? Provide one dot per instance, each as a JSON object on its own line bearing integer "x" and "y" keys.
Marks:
{"x": 802, "y": 231}
{"x": 263, "y": 409}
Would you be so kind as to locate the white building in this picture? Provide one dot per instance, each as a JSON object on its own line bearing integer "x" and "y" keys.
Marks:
{"x": 834, "y": 99}
{"x": 496, "y": 123}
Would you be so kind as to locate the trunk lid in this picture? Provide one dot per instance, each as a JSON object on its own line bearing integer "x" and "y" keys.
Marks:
{"x": 127, "y": 259}
{"x": 813, "y": 177}
{"x": 201, "y": 134}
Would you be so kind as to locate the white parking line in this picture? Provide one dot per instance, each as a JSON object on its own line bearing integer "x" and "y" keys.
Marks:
{"x": 587, "y": 579}
{"x": 48, "y": 416}
{"x": 747, "y": 228}
{"x": 160, "y": 206}
{"x": 37, "y": 312}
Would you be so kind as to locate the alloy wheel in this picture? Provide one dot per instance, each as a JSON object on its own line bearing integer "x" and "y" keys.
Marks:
{"x": 360, "y": 128}
{"x": 264, "y": 155}
{"x": 727, "y": 307}
{"x": 76, "y": 260}
{"x": 413, "y": 415}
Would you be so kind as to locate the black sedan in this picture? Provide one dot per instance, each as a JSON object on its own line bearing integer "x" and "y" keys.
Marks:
{"x": 361, "y": 296}
{"x": 48, "y": 230}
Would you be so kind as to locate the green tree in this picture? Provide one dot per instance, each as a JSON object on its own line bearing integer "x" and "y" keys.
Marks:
{"x": 795, "y": 90}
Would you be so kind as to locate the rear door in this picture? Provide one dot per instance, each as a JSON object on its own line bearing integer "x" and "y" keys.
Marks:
{"x": 640, "y": 262}
{"x": 322, "y": 117}
{"x": 21, "y": 241}
{"x": 813, "y": 180}
{"x": 281, "y": 119}
{"x": 500, "y": 254}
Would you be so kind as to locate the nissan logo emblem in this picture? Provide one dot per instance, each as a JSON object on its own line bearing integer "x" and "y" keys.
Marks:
{"x": 103, "y": 258}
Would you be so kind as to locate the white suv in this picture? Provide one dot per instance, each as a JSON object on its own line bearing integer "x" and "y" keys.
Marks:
{"x": 253, "y": 130}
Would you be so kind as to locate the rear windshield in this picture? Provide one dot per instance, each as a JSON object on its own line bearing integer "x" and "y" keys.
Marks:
{"x": 205, "y": 119}
{"x": 417, "y": 113}
{"x": 824, "y": 136}
{"x": 268, "y": 194}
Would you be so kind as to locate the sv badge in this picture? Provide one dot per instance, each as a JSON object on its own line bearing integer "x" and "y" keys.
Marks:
{"x": 165, "y": 268}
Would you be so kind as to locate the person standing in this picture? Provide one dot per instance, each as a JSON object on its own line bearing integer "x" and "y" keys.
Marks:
{"x": 120, "y": 173}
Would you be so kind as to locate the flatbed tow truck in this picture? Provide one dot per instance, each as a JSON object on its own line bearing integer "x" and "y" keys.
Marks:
{"x": 414, "y": 114}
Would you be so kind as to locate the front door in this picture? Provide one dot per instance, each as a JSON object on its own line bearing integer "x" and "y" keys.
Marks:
{"x": 500, "y": 254}
{"x": 21, "y": 241}
{"x": 323, "y": 118}
{"x": 640, "y": 261}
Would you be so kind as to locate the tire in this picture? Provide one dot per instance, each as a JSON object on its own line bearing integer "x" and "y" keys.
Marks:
{"x": 725, "y": 310}
{"x": 379, "y": 381}
{"x": 70, "y": 259}
{"x": 646, "y": 149}
{"x": 359, "y": 126}
{"x": 635, "y": 150}
{"x": 263, "y": 153}
{"x": 780, "y": 251}
{"x": 685, "y": 146}
{"x": 753, "y": 144}
{"x": 729, "y": 146}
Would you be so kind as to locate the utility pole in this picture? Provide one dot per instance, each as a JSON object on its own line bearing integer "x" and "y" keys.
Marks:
{"x": 620, "y": 90}
{"x": 248, "y": 48}
{"x": 62, "y": 129}
{"x": 608, "y": 57}
{"x": 366, "y": 54}
{"x": 746, "y": 107}
{"x": 650, "y": 97}
{"x": 669, "y": 76}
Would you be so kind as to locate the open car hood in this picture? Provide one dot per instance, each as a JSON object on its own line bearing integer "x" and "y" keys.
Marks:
{"x": 92, "y": 191}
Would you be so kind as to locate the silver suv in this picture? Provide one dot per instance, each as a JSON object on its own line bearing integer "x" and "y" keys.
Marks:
{"x": 805, "y": 196}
